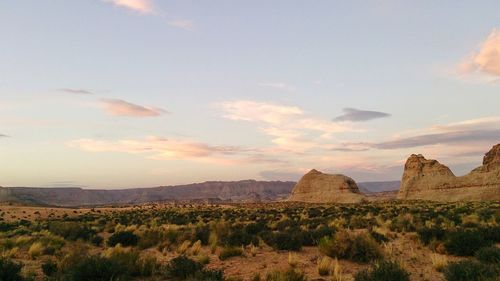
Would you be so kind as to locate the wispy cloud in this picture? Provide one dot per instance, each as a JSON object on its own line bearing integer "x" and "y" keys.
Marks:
{"x": 277, "y": 85}
{"x": 290, "y": 127}
{"x": 474, "y": 131}
{"x": 3, "y": 136}
{"x": 117, "y": 107}
{"x": 183, "y": 24}
{"x": 356, "y": 115}
{"x": 141, "y": 6}
{"x": 454, "y": 137}
{"x": 179, "y": 149}
{"x": 76, "y": 91}
{"x": 486, "y": 60}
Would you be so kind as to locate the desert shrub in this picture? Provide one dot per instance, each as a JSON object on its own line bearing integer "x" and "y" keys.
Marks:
{"x": 95, "y": 268}
{"x": 379, "y": 237}
{"x": 427, "y": 234}
{"x": 256, "y": 228}
{"x": 289, "y": 275}
{"x": 150, "y": 238}
{"x": 229, "y": 252}
{"x": 202, "y": 233}
{"x": 312, "y": 237}
{"x": 491, "y": 233}
{"x": 364, "y": 249}
{"x": 125, "y": 238}
{"x": 488, "y": 255}
{"x": 49, "y": 267}
{"x": 291, "y": 241}
{"x": 383, "y": 271}
{"x": 238, "y": 237}
{"x": 130, "y": 260}
{"x": 5, "y": 226}
{"x": 9, "y": 270}
{"x": 96, "y": 240}
{"x": 71, "y": 230}
{"x": 209, "y": 275}
{"x": 465, "y": 243}
{"x": 471, "y": 270}
{"x": 359, "y": 248}
{"x": 181, "y": 268}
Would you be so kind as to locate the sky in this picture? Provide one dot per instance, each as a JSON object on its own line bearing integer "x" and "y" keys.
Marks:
{"x": 139, "y": 93}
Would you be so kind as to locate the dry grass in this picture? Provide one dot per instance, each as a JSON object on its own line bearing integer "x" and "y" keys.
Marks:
{"x": 36, "y": 249}
{"x": 438, "y": 261}
{"x": 195, "y": 248}
{"x": 293, "y": 260}
{"x": 183, "y": 247}
{"x": 324, "y": 266}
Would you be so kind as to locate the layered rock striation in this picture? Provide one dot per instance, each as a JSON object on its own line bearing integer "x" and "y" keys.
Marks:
{"x": 430, "y": 180}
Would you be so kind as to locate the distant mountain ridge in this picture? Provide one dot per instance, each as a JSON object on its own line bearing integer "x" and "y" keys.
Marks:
{"x": 212, "y": 191}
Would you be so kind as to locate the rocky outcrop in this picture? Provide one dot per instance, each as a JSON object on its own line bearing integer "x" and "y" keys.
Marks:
{"x": 317, "y": 187}
{"x": 430, "y": 180}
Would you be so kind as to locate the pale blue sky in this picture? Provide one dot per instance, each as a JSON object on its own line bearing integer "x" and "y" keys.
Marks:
{"x": 126, "y": 93}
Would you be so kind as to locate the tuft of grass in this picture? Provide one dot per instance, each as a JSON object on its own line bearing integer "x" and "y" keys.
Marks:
{"x": 182, "y": 249}
{"x": 289, "y": 275}
{"x": 36, "y": 249}
{"x": 324, "y": 266}
{"x": 438, "y": 261}
{"x": 336, "y": 271}
{"x": 292, "y": 259}
{"x": 195, "y": 248}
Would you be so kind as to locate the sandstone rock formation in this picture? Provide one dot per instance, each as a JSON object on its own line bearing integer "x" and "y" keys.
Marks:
{"x": 317, "y": 187}
{"x": 430, "y": 180}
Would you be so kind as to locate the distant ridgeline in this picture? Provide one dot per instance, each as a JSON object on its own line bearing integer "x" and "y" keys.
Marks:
{"x": 211, "y": 192}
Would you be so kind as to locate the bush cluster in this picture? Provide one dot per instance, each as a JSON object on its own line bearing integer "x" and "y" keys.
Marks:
{"x": 383, "y": 271}
{"x": 343, "y": 245}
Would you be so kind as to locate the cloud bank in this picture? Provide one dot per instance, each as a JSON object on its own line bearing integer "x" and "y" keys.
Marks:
{"x": 356, "y": 115}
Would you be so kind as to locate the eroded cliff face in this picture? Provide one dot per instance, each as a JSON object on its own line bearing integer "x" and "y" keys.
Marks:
{"x": 317, "y": 187}
{"x": 430, "y": 180}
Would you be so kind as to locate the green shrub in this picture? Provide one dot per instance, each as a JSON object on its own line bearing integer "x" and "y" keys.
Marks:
{"x": 289, "y": 275}
{"x": 125, "y": 238}
{"x": 150, "y": 238}
{"x": 383, "y": 271}
{"x": 426, "y": 234}
{"x": 209, "y": 275}
{"x": 471, "y": 270}
{"x": 359, "y": 248}
{"x": 9, "y": 270}
{"x": 364, "y": 249}
{"x": 337, "y": 246}
{"x": 71, "y": 230}
{"x": 95, "y": 268}
{"x": 229, "y": 252}
{"x": 465, "y": 243}
{"x": 181, "y": 268}
{"x": 488, "y": 255}
{"x": 290, "y": 241}
{"x": 49, "y": 267}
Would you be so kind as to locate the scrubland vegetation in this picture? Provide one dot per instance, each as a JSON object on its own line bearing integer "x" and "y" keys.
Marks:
{"x": 283, "y": 242}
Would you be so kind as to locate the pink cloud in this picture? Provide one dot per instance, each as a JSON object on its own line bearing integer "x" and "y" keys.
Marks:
{"x": 141, "y": 6}
{"x": 117, "y": 107}
{"x": 487, "y": 59}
